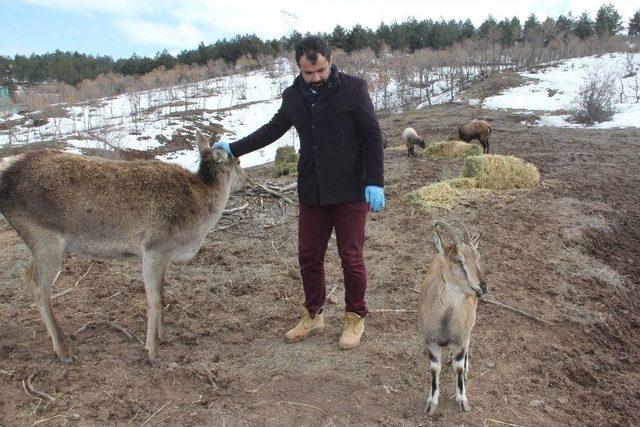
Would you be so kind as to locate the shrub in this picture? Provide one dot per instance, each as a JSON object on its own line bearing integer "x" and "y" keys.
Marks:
{"x": 452, "y": 149}
{"x": 286, "y": 161}
{"x": 594, "y": 102}
{"x": 497, "y": 172}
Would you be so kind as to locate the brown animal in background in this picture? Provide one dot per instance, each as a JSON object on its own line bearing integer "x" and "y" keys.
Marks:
{"x": 385, "y": 139}
{"x": 161, "y": 213}
{"x": 447, "y": 306}
{"x": 475, "y": 129}
{"x": 410, "y": 138}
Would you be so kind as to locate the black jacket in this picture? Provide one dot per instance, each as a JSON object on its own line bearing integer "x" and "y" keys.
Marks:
{"x": 340, "y": 140}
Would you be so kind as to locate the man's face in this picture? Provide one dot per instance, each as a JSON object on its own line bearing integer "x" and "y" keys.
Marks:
{"x": 315, "y": 75}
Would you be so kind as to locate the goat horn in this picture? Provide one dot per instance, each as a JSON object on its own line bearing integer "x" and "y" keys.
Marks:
{"x": 463, "y": 231}
{"x": 455, "y": 235}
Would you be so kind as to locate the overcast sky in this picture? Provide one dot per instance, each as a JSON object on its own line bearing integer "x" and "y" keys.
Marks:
{"x": 120, "y": 28}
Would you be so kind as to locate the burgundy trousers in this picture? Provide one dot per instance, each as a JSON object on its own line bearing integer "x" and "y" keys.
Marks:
{"x": 315, "y": 225}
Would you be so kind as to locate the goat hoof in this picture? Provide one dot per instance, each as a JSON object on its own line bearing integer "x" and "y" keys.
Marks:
{"x": 464, "y": 405}
{"x": 430, "y": 409}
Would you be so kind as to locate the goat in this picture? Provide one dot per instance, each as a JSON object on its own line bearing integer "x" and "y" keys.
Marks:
{"x": 447, "y": 306}
{"x": 410, "y": 138}
{"x": 475, "y": 129}
{"x": 161, "y": 213}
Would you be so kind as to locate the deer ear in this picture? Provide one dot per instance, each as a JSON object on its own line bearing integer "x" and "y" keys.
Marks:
{"x": 201, "y": 142}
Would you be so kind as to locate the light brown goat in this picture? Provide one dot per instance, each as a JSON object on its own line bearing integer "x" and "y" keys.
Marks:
{"x": 410, "y": 138}
{"x": 59, "y": 202}
{"x": 475, "y": 129}
{"x": 447, "y": 306}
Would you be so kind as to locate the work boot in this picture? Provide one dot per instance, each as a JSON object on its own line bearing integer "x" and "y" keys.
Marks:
{"x": 353, "y": 329}
{"x": 307, "y": 326}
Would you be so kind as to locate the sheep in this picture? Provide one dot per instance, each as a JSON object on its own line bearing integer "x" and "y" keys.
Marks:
{"x": 447, "y": 306}
{"x": 475, "y": 129}
{"x": 410, "y": 138}
{"x": 60, "y": 202}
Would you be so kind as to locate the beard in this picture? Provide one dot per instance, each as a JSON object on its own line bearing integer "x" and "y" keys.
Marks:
{"x": 318, "y": 86}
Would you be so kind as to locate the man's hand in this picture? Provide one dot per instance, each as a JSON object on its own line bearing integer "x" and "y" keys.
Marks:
{"x": 224, "y": 145}
{"x": 374, "y": 195}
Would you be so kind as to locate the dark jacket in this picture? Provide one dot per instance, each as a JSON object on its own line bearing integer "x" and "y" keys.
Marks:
{"x": 340, "y": 140}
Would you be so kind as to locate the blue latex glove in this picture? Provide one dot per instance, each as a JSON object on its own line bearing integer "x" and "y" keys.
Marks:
{"x": 374, "y": 195}
{"x": 224, "y": 145}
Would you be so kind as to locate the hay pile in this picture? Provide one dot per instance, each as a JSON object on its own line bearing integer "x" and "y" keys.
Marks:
{"x": 479, "y": 173}
{"x": 496, "y": 172}
{"x": 452, "y": 149}
{"x": 442, "y": 195}
{"x": 286, "y": 161}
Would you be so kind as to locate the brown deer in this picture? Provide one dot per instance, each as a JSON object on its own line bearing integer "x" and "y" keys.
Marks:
{"x": 60, "y": 202}
{"x": 447, "y": 306}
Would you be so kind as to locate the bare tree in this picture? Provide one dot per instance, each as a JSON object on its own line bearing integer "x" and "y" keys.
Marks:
{"x": 594, "y": 102}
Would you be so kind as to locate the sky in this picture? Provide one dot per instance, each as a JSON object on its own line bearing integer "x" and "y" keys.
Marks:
{"x": 120, "y": 28}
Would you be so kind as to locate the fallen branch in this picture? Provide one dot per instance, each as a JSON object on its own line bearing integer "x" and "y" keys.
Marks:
{"x": 32, "y": 392}
{"x": 300, "y": 404}
{"x": 130, "y": 335}
{"x": 84, "y": 275}
{"x": 156, "y": 413}
{"x": 209, "y": 374}
{"x": 516, "y": 310}
{"x": 510, "y": 308}
{"x": 275, "y": 193}
{"x": 232, "y": 210}
{"x": 392, "y": 310}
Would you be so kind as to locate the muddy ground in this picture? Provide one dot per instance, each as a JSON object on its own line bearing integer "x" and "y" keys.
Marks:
{"x": 567, "y": 252}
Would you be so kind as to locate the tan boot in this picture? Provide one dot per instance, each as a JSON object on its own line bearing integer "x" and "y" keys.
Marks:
{"x": 353, "y": 329}
{"x": 307, "y": 326}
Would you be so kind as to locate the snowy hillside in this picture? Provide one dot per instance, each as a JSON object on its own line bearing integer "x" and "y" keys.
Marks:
{"x": 240, "y": 103}
{"x": 556, "y": 87}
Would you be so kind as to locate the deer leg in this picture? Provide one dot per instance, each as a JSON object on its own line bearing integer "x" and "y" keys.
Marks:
{"x": 459, "y": 362}
{"x": 162, "y": 332}
{"x": 435, "y": 355}
{"x": 153, "y": 268}
{"x": 42, "y": 274}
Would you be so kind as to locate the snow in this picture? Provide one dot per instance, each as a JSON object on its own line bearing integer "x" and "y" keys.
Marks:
{"x": 556, "y": 87}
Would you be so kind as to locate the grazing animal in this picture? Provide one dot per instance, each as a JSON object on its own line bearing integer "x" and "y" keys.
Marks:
{"x": 410, "y": 138}
{"x": 475, "y": 129}
{"x": 447, "y": 306}
{"x": 161, "y": 213}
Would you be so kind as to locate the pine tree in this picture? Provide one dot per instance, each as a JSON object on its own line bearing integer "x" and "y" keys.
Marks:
{"x": 634, "y": 24}
{"x": 608, "y": 21}
{"x": 584, "y": 26}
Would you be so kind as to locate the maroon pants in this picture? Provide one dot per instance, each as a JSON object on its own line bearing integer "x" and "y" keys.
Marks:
{"x": 314, "y": 230}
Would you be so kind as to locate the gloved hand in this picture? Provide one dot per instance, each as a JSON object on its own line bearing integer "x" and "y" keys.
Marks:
{"x": 224, "y": 145}
{"x": 374, "y": 195}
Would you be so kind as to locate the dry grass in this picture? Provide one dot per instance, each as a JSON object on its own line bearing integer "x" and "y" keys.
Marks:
{"x": 436, "y": 196}
{"x": 497, "y": 172}
{"x": 452, "y": 149}
{"x": 286, "y": 161}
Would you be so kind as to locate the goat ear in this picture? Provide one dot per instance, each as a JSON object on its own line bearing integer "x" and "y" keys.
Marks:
{"x": 201, "y": 142}
{"x": 439, "y": 242}
{"x": 475, "y": 240}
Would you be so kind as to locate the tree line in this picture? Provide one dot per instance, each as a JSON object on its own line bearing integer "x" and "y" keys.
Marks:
{"x": 411, "y": 35}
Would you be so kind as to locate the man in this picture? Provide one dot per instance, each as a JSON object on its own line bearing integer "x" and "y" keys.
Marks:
{"x": 340, "y": 177}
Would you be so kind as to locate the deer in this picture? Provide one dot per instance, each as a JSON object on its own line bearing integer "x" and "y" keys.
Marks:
{"x": 447, "y": 306}
{"x": 61, "y": 203}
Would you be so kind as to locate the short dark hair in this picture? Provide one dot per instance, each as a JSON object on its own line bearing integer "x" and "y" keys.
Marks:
{"x": 310, "y": 47}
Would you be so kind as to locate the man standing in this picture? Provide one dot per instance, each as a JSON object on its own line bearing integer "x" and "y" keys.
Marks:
{"x": 340, "y": 177}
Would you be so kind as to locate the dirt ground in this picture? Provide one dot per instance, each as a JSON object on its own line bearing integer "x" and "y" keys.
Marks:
{"x": 567, "y": 252}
